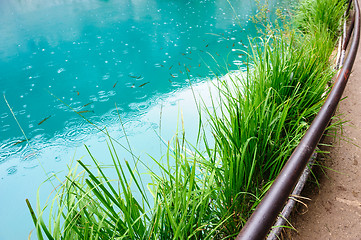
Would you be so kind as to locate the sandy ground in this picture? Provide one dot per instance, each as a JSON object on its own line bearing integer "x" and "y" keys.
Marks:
{"x": 334, "y": 211}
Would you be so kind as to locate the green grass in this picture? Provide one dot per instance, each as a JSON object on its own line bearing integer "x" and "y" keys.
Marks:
{"x": 263, "y": 121}
{"x": 209, "y": 192}
{"x": 324, "y": 13}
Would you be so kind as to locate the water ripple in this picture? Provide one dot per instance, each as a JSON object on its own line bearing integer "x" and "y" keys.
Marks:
{"x": 11, "y": 170}
{"x": 115, "y": 112}
{"x": 10, "y": 147}
{"x": 30, "y": 155}
{"x": 76, "y": 134}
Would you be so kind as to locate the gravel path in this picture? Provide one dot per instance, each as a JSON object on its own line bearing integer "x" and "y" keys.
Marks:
{"x": 335, "y": 209}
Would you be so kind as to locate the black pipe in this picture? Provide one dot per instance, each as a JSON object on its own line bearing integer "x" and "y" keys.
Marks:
{"x": 349, "y": 32}
{"x": 263, "y": 217}
{"x": 348, "y": 7}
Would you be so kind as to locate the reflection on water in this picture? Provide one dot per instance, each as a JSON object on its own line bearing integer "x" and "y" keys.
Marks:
{"x": 61, "y": 59}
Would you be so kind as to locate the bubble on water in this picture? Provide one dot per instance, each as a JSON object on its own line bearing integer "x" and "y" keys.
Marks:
{"x": 106, "y": 76}
{"x": 142, "y": 97}
{"x": 60, "y": 70}
{"x": 4, "y": 115}
{"x": 237, "y": 62}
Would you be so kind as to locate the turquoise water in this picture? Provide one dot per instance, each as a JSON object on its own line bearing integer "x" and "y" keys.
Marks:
{"x": 66, "y": 56}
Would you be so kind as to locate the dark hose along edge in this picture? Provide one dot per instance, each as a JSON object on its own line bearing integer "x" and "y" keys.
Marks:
{"x": 348, "y": 7}
{"x": 291, "y": 202}
{"x": 349, "y": 32}
{"x": 258, "y": 225}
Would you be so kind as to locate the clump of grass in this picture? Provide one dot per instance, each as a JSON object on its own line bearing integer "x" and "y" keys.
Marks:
{"x": 210, "y": 193}
{"x": 263, "y": 120}
{"x": 89, "y": 205}
{"x": 324, "y": 13}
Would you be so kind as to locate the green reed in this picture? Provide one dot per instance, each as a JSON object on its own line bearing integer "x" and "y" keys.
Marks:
{"x": 209, "y": 192}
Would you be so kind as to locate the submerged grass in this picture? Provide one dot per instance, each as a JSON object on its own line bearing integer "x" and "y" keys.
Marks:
{"x": 210, "y": 193}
